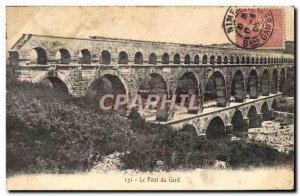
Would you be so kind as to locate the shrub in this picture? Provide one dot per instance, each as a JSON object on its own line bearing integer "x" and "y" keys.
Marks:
{"x": 180, "y": 151}
{"x": 47, "y": 133}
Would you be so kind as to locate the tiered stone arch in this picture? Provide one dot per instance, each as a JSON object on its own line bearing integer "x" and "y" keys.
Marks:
{"x": 215, "y": 127}
{"x": 282, "y": 79}
{"x": 56, "y": 74}
{"x": 237, "y": 86}
{"x": 103, "y": 73}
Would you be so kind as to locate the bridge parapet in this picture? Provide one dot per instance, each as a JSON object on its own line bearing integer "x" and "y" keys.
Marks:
{"x": 202, "y": 121}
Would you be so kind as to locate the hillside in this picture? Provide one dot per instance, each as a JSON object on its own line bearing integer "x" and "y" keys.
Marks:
{"x": 51, "y": 132}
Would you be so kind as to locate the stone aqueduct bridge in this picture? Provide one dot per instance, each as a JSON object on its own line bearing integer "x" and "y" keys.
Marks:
{"x": 244, "y": 84}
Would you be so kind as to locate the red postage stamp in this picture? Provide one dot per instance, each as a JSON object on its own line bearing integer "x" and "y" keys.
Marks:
{"x": 253, "y": 27}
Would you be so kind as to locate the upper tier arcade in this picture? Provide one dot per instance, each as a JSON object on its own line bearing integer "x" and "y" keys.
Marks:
{"x": 47, "y": 50}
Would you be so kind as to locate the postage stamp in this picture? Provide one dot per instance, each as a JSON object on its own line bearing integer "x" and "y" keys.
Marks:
{"x": 253, "y": 27}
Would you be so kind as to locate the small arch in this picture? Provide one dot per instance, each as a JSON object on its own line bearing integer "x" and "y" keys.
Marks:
{"x": 215, "y": 129}
{"x": 272, "y": 60}
{"x": 248, "y": 60}
{"x": 225, "y": 60}
{"x": 123, "y": 58}
{"x": 237, "y": 124}
{"x": 265, "y": 83}
{"x": 219, "y": 60}
{"x": 261, "y": 60}
{"x": 204, "y": 59}
{"x": 265, "y": 111}
{"x": 196, "y": 59}
{"x": 256, "y": 60}
{"x": 212, "y": 60}
{"x": 176, "y": 59}
{"x": 85, "y": 57}
{"x": 165, "y": 58}
{"x": 38, "y": 56}
{"x": 231, "y": 60}
{"x": 237, "y": 60}
{"x": 265, "y": 60}
{"x": 252, "y": 115}
{"x": 105, "y": 57}
{"x": 187, "y": 59}
{"x": 152, "y": 59}
{"x": 269, "y": 60}
{"x": 138, "y": 58}
{"x": 243, "y": 60}
{"x": 252, "y": 60}
{"x": 63, "y": 56}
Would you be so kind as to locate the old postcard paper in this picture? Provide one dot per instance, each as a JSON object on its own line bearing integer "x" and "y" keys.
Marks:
{"x": 150, "y": 98}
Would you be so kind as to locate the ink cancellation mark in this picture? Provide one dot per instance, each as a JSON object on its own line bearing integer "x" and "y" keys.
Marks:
{"x": 248, "y": 28}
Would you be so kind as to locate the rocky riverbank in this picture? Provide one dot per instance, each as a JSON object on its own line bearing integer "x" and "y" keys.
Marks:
{"x": 276, "y": 134}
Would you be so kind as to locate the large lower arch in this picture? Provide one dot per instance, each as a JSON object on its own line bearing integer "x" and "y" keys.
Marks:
{"x": 55, "y": 83}
{"x": 215, "y": 129}
{"x": 281, "y": 79}
{"x": 189, "y": 130}
{"x": 152, "y": 84}
{"x": 103, "y": 85}
{"x": 253, "y": 117}
{"x": 237, "y": 124}
{"x": 274, "y": 87}
{"x": 215, "y": 89}
{"x": 237, "y": 86}
{"x": 187, "y": 85}
{"x": 252, "y": 88}
{"x": 265, "y": 83}
{"x": 265, "y": 111}
{"x": 274, "y": 105}
{"x": 59, "y": 77}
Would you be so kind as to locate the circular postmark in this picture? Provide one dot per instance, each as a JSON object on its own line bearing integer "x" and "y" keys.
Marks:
{"x": 248, "y": 27}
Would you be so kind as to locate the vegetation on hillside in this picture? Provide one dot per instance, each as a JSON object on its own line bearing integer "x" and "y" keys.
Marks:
{"x": 50, "y": 132}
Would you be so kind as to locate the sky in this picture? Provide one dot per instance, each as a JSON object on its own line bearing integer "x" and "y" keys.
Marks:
{"x": 189, "y": 25}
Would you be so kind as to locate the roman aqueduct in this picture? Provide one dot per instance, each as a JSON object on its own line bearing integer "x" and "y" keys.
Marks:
{"x": 236, "y": 89}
